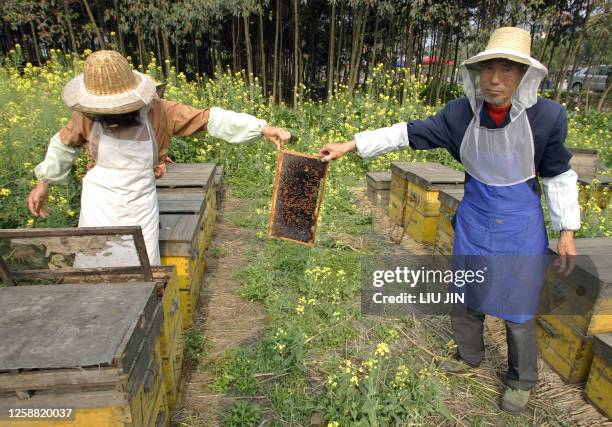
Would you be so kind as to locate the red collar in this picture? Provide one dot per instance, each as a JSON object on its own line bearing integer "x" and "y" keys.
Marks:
{"x": 498, "y": 114}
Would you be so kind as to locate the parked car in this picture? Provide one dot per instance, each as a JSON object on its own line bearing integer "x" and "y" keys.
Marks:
{"x": 597, "y": 80}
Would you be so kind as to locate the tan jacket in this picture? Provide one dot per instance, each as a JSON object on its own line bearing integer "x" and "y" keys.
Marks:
{"x": 167, "y": 118}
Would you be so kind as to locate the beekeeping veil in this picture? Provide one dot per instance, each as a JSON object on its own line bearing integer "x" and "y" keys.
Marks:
{"x": 502, "y": 156}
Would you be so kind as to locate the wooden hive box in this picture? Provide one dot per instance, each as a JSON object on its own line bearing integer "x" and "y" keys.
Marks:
{"x": 413, "y": 202}
{"x": 92, "y": 348}
{"x": 599, "y": 384}
{"x": 582, "y": 307}
{"x": 584, "y": 162}
{"x": 379, "y": 188}
{"x": 445, "y": 233}
{"x": 171, "y": 339}
{"x": 219, "y": 170}
{"x": 187, "y": 205}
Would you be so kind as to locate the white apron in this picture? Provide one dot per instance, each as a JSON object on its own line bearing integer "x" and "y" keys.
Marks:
{"x": 120, "y": 191}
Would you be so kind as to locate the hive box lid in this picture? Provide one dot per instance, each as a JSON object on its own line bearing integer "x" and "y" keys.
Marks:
{"x": 451, "y": 196}
{"x": 598, "y": 262}
{"x": 602, "y": 346}
{"x": 187, "y": 175}
{"x": 379, "y": 180}
{"x": 427, "y": 174}
{"x": 178, "y": 234}
{"x": 181, "y": 200}
{"x": 72, "y": 325}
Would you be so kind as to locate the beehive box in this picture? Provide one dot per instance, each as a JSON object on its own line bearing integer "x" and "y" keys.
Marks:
{"x": 445, "y": 233}
{"x": 187, "y": 205}
{"x": 584, "y": 162}
{"x": 219, "y": 170}
{"x": 413, "y": 202}
{"x": 599, "y": 384}
{"x": 92, "y": 348}
{"x": 171, "y": 339}
{"x": 379, "y": 188}
{"x": 586, "y": 295}
{"x": 575, "y": 308}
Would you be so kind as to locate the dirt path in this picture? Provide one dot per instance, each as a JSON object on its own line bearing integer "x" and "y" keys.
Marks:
{"x": 226, "y": 320}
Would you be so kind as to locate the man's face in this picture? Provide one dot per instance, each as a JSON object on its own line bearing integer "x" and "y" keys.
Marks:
{"x": 499, "y": 78}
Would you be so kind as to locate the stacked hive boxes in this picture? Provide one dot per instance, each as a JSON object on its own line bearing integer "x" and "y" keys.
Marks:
{"x": 599, "y": 385}
{"x": 576, "y": 308}
{"x": 413, "y": 202}
{"x": 187, "y": 207}
{"x": 445, "y": 235}
{"x": 92, "y": 348}
{"x": 379, "y": 187}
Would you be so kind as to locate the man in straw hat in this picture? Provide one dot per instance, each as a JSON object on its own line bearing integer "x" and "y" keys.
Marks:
{"x": 505, "y": 136}
{"x": 127, "y": 129}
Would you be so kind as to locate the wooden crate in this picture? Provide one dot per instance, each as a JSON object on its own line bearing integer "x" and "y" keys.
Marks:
{"x": 219, "y": 170}
{"x": 445, "y": 234}
{"x": 599, "y": 384}
{"x": 94, "y": 348}
{"x": 413, "y": 202}
{"x": 567, "y": 350}
{"x": 187, "y": 205}
{"x": 379, "y": 188}
{"x": 584, "y": 162}
{"x": 586, "y": 295}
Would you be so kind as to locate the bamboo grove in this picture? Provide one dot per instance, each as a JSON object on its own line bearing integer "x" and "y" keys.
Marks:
{"x": 289, "y": 45}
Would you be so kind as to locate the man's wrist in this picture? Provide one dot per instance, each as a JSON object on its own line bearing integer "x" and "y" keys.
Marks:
{"x": 351, "y": 146}
{"x": 566, "y": 233}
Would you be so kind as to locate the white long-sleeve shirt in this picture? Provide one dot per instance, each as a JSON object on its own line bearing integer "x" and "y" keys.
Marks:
{"x": 561, "y": 191}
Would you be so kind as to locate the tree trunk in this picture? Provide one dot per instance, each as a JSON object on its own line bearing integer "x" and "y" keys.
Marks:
{"x": 167, "y": 56}
{"x": 93, "y": 23}
{"x": 372, "y": 64}
{"x": 234, "y": 65}
{"x": 604, "y": 96}
{"x": 35, "y": 41}
{"x": 141, "y": 46}
{"x": 176, "y": 55}
{"x": 275, "y": 70}
{"x": 73, "y": 44}
{"x": 330, "y": 51}
{"x": 158, "y": 44}
{"x": 249, "y": 53}
{"x": 340, "y": 44}
{"x": 119, "y": 32}
{"x": 296, "y": 52}
{"x": 262, "y": 54}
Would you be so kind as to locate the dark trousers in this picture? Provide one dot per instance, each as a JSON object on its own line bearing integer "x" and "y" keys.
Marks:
{"x": 468, "y": 328}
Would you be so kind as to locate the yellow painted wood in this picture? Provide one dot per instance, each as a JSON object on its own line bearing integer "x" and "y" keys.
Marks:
{"x": 424, "y": 201}
{"x": 172, "y": 367}
{"x": 168, "y": 357}
{"x": 112, "y": 416}
{"x": 420, "y": 227}
{"x": 564, "y": 348}
{"x": 599, "y": 385}
{"x": 395, "y": 208}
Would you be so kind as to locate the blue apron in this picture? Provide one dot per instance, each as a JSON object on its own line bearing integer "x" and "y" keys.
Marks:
{"x": 501, "y": 229}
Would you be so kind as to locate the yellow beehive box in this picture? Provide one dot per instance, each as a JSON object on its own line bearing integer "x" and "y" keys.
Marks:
{"x": 585, "y": 296}
{"x": 564, "y": 347}
{"x": 187, "y": 202}
{"x": 445, "y": 234}
{"x": 599, "y": 384}
{"x": 92, "y": 348}
{"x": 414, "y": 202}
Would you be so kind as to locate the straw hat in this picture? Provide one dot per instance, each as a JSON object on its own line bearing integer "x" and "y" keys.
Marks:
{"x": 508, "y": 43}
{"x": 108, "y": 86}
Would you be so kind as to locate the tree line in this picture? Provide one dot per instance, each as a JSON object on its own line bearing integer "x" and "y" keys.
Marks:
{"x": 318, "y": 44}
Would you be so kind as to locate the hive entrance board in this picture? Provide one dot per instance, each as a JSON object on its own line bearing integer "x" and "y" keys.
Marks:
{"x": 297, "y": 198}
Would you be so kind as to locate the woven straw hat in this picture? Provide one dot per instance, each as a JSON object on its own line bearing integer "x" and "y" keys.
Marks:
{"x": 108, "y": 86}
{"x": 508, "y": 43}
